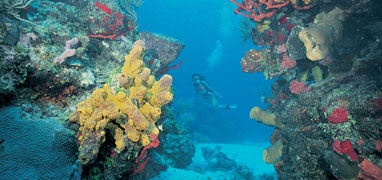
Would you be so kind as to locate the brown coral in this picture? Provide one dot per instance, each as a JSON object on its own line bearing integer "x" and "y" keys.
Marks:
{"x": 271, "y": 154}
{"x": 317, "y": 41}
{"x": 319, "y": 38}
{"x": 264, "y": 117}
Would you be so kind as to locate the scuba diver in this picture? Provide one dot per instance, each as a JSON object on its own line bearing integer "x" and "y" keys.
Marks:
{"x": 205, "y": 90}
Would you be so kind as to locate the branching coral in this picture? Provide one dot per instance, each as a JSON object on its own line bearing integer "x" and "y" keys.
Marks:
{"x": 10, "y": 9}
{"x": 134, "y": 110}
{"x": 257, "y": 10}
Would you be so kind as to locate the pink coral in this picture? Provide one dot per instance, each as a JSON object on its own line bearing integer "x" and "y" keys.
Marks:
{"x": 345, "y": 147}
{"x": 68, "y": 52}
{"x": 378, "y": 101}
{"x": 338, "y": 116}
{"x": 370, "y": 171}
{"x": 65, "y": 54}
{"x": 378, "y": 145}
{"x": 71, "y": 42}
{"x": 281, "y": 49}
{"x": 296, "y": 87}
{"x": 287, "y": 62}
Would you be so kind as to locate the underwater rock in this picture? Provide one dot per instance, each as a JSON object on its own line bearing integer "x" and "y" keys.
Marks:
{"x": 12, "y": 31}
{"x": 294, "y": 45}
{"x": 342, "y": 167}
{"x": 87, "y": 79}
{"x": 178, "y": 149}
{"x": 164, "y": 48}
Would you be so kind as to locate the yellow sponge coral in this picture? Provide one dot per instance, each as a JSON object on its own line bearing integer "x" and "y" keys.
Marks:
{"x": 264, "y": 117}
{"x": 160, "y": 91}
{"x": 135, "y": 109}
{"x": 152, "y": 113}
{"x": 133, "y": 64}
{"x": 271, "y": 154}
{"x": 119, "y": 139}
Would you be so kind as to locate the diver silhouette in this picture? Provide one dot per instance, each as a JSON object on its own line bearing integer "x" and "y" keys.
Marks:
{"x": 205, "y": 90}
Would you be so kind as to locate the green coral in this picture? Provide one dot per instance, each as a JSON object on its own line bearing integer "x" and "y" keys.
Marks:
{"x": 20, "y": 49}
{"x": 342, "y": 131}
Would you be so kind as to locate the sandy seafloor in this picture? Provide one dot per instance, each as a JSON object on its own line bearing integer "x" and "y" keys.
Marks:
{"x": 249, "y": 154}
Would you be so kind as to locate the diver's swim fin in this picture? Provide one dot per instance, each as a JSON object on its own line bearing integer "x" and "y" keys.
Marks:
{"x": 230, "y": 106}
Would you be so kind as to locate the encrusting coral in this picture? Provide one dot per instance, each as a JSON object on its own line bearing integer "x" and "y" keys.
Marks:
{"x": 135, "y": 109}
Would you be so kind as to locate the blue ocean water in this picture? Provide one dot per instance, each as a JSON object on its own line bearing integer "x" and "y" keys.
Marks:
{"x": 213, "y": 49}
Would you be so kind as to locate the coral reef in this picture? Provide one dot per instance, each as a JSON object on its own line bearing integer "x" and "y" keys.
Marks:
{"x": 327, "y": 93}
{"x": 55, "y": 53}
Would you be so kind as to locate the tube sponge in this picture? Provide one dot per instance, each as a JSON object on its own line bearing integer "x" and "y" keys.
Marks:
{"x": 133, "y": 65}
{"x": 319, "y": 38}
{"x": 271, "y": 154}
{"x": 119, "y": 139}
{"x": 317, "y": 41}
{"x": 161, "y": 94}
{"x": 264, "y": 117}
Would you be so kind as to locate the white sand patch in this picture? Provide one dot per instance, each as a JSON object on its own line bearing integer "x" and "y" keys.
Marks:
{"x": 249, "y": 155}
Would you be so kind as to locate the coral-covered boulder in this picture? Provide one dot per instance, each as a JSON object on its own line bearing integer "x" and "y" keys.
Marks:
{"x": 253, "y": 61}
{"x": 34, "y": 149}
{"x": 162, "y": 48}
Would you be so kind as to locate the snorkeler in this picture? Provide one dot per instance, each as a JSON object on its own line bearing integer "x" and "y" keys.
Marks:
{"x": 205, "y": 90}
